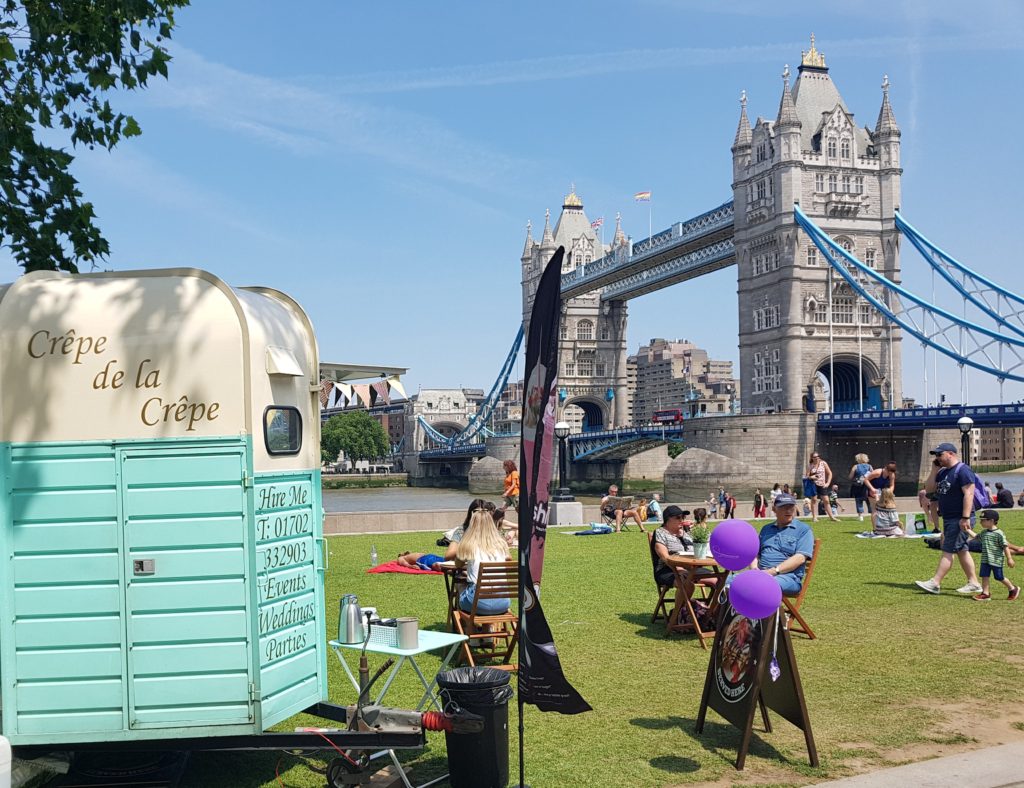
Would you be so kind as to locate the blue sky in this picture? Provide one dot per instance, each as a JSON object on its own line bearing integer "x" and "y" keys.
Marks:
{"x": 379, "y": 161}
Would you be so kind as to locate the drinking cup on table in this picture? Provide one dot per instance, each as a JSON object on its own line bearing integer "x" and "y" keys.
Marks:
{"x": 408, "y": 632}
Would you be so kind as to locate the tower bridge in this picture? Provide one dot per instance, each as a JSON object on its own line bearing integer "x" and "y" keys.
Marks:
{"x": 813, "y": 230}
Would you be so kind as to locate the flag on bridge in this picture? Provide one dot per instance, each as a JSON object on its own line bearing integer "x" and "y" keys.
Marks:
{"x": 597, "y": 222}
{"x": 541, "y": 680}
{"x": 642, "y": 196}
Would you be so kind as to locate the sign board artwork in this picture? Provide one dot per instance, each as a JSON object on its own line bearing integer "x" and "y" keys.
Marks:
{"x": 752, "y": 667}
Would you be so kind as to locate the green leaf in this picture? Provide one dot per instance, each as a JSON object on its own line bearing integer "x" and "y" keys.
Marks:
{"x": 131, "y": 128}
{"x": 7, "y": 50}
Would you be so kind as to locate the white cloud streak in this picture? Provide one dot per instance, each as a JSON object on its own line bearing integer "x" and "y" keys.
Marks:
{"x": 136, "y": 173}
{"x": 597, "y": 64}
{"x": 311, "y": 122}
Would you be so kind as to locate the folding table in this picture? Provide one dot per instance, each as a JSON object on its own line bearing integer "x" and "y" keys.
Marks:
{"x": 427, "y": 641}
{"x": 687, "y": 569}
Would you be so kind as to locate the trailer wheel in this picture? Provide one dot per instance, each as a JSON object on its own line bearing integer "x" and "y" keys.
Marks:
{"x": 340, "y": 773}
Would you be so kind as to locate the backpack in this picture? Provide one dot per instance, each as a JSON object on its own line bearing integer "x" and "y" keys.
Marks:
{"x": 861, "y": 476}
{"x": 981, "y": 496}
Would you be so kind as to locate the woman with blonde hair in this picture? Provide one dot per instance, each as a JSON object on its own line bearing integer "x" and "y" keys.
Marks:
{"x": 861, "y": 491}
{"x": 483, "y": 543}
{"x": 886, "y": 517}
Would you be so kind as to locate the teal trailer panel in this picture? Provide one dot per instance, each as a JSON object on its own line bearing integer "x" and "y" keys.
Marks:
{"x": 151, "y": 590}
{"x": 62, "y": 632}
{"x": 185, "y": 489}
{"x": 290, "y": 593}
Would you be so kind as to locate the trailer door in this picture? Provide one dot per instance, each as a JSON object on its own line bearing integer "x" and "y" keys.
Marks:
{"x": 184, "y": 520}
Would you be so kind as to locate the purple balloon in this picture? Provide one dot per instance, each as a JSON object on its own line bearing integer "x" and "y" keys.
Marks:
{"x": 734, "y": 544}
{"x": 755, "y": 594}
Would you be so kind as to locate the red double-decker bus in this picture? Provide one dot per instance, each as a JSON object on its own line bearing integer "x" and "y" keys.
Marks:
{"x": 674, "y": 416}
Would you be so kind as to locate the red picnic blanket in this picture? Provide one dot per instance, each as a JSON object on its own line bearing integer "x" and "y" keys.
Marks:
{"x": 394, "y": 566}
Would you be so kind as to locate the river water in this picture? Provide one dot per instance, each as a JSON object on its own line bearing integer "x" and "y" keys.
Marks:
{"x": 412, "y": 499}
{"x": 406, "y": 499}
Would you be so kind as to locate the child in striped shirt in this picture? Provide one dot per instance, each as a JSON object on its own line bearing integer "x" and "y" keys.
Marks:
{"x": 994, "y": 552}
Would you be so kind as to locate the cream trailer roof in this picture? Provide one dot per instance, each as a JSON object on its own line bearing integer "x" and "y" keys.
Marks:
{"x": 152, "y": 354}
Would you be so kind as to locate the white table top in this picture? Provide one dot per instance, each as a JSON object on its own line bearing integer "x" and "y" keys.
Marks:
{"x": 429, "y": 640}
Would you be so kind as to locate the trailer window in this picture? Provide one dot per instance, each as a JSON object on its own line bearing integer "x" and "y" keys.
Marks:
{"x": 282, "y": 430}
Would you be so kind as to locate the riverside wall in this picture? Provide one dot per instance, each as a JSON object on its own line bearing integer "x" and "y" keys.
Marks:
{"x": 441, "y": 520}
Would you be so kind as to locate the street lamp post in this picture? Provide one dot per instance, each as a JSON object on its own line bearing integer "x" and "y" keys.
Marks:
{"x": 965, "y": 423}
{"x": 562, "y": 432}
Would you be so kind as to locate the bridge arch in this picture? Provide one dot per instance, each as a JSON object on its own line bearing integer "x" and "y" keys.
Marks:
{"x": 853, "y": 377}
{"x": 586, "y": 414}
{"x": 447, "y": 428}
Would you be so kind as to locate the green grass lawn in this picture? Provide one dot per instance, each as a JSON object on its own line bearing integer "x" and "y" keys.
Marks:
{"x": 894, "y": 673}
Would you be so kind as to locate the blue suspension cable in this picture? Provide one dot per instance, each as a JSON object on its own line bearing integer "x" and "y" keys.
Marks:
{"x": 930, "y": 252}
{"x": 982, "y": 338}
{"x": 483, "y": 414}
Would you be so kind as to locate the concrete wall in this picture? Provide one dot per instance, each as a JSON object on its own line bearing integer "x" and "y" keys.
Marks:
{"x": 775, "y": 446}
{"x": 907, "y": 448}
{"x": 650, "y": 464}
{"x": 437, "y": 522}
{"x": 447, "y": 473}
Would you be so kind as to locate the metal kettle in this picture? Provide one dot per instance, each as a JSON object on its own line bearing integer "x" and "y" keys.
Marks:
{"x": 350, "y": 620}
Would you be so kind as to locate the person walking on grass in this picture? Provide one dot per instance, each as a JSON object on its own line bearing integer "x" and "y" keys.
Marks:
{"x": 954, "y": 483}
{"x": 994, "y": 554}
{"x": 511, "y": 491}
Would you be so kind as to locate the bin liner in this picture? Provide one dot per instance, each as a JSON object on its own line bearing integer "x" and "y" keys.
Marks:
{"x": 478, "y": 686}
{"x": 478, "y": 760}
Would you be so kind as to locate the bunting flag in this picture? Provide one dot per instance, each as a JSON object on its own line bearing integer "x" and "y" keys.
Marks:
{"x": 326, "y": 387}
{"x": 362, "y": 391}
{"x": 340, "y": 399}
{"x": 541, "y": 679}
{"x": 642, "y": 196}
{"x": 396, "y": 385}
{"x": 340, "y": 395}
{"x": 381, "y": 388}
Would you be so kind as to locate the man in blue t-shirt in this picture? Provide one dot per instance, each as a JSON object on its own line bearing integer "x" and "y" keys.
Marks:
{"x": 786, "y": 545}
{"x": 953, "y": 482}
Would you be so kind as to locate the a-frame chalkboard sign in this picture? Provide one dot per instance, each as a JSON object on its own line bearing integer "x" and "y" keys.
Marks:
{"x": 752, "y": 666}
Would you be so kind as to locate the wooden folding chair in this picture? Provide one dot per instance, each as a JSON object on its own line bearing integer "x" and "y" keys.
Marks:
{"x": 660, "y": 609}
{"x": 454, "y": 582}
{"x": 792, "y": 603}
{"x": 491, "y": 636}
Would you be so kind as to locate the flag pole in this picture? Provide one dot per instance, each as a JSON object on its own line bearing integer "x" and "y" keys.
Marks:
{"x": 519, "y": 697}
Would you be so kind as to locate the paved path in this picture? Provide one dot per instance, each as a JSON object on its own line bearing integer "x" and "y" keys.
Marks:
{"x": 991, "y": 767}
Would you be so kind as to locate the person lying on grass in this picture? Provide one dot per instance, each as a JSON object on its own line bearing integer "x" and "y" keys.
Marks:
{"x": 418, "y": 560}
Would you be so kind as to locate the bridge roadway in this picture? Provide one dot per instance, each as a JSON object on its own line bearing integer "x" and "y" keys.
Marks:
{"x": 625, "y": 442}
{"x": 684, "y": 251}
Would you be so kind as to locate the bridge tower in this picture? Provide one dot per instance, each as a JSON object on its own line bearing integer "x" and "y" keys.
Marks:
{"x": 802, "y": 329}
{"x": 592, "y": 380}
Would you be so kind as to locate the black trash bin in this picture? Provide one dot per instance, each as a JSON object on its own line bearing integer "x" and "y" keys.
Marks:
{"x": 478, "y": 760}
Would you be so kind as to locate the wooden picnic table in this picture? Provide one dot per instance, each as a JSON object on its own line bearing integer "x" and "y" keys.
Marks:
{"x": 689, "y": 577}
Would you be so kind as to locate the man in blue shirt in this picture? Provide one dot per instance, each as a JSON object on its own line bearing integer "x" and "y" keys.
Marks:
{"x": 786, "y": 545}
{"x": 953, "y": 481}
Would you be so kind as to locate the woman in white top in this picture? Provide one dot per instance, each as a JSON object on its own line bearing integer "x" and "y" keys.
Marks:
{"x": 482, "y": 543}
